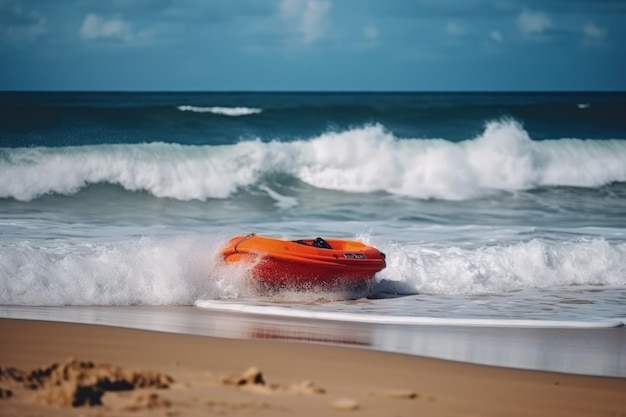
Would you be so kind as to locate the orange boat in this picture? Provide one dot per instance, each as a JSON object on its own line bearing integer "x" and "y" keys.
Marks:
{"x": 305, "y": 262}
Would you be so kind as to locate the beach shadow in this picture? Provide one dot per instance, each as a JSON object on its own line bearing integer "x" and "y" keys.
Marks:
{"x": 385, "y": 289}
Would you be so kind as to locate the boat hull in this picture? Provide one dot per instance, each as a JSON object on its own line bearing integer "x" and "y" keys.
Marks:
{"x": 302, "y": 263}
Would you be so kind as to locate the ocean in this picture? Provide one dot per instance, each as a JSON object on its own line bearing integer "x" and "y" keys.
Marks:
{"x": 492, "y": 208}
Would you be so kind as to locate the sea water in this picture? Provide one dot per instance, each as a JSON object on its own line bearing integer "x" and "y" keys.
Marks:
{"x": 500, "y": 207}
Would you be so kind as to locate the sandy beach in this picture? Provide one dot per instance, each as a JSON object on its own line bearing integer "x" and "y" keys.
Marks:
{"x": 61, "y": 369}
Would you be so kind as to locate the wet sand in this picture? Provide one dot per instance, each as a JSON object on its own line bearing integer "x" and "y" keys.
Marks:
{"x": 589, "y": 351}
{"x": 157, "y": 373}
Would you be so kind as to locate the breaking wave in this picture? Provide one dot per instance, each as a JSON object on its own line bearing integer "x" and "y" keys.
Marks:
{"x": 504, "y": 268}
{"x": 225, "y": 111}
{"x": 180, "y": 270}
{"x": 360, "y": 160}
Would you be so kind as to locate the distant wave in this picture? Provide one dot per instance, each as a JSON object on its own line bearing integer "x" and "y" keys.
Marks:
{"x": 362, "y": 160}
{"x": 225, "y": 111}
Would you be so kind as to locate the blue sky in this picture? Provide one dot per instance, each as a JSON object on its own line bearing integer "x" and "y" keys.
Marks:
{"x": 406, "y": 45}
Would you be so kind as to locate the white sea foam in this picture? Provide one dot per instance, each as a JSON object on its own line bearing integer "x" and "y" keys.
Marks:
{"x": 500, "y": 269}
{"x": 165, "y": 170}
{"x": 367, "y": 159}
{"x": 183, "y": 269}
{"x": 224, "y": 111}
{"x": 271, "y": 310}
{"x": 502, "y": 158}
{"x": 282, "y": 201}
{"x": 153, "y": 271}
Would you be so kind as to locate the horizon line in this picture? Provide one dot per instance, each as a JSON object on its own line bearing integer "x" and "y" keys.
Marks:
{"x": 115, "y": 91}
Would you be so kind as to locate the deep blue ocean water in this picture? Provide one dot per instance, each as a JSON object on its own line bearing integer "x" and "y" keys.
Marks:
{"x": 488, "y": 205}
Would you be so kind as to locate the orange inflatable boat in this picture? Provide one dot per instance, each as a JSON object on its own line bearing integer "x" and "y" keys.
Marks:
{"x": 305, "y": 262}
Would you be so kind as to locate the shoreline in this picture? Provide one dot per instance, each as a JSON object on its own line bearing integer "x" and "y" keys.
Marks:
{"x": 591, "y": 351}
{"x": 299, "y": 379}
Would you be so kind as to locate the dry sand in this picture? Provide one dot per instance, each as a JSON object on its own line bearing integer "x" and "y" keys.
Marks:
{"x": 60, "y": 369}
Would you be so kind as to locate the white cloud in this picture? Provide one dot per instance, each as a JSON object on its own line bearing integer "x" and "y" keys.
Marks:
{"x": 311, "y": 17}
{"x": 314, "y": 23}
{"x": 533, "y": 23}
{"x": 496, "y": 36}
{"x": 290, "y": 8}
{"x": 371, "y": 32}
{"x": 594, "y": 33}
{"x": 454, "y": 29}
{"x": 19, "y": 24}
{"x": 95, "y": 27}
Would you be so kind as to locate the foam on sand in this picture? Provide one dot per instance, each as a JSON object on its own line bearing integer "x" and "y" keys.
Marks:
{"x": 388, "y": 319}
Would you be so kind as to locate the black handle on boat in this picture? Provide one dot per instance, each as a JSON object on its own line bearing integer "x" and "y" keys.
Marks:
{"x": 321, "y": 243}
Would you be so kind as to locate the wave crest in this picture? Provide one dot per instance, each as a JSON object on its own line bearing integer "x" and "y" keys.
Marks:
{"x": 366, "y": 159}
{"x": 501, "y": 269}
{"x": 183, "y": 269}
{"x": 224, "y": 111}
